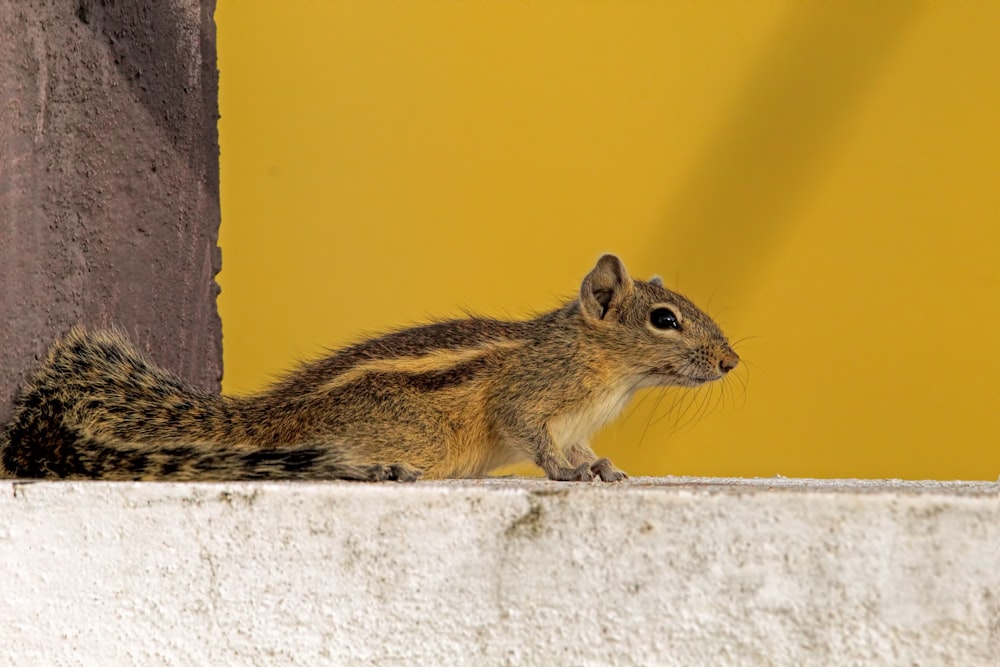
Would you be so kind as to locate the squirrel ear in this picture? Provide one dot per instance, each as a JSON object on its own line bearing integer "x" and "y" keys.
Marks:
{"x": 657, "y": 281}
{"x": 605, "y": 287}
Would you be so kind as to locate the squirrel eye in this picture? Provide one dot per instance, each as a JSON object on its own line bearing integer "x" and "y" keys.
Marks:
{"x": 664, "y": 318}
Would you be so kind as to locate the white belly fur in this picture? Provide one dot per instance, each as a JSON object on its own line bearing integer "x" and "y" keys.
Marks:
{"x": 578, "y": 426}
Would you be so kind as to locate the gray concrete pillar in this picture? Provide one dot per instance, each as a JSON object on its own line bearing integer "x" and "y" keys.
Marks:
{"x": 109, "y": 180}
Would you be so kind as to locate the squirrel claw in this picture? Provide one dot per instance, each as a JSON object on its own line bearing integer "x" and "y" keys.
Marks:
{"x": 581, "y": 473}
{"x": 396, "y": 472}
{"x": 401, "y": 472}
{"x": 606, "y": 471}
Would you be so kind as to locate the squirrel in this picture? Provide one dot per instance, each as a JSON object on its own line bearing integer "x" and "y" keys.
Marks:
{"x": 449, "y": 399}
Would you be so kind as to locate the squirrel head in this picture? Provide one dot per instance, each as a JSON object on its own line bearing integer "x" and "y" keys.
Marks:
{"x": 658, "y": 336}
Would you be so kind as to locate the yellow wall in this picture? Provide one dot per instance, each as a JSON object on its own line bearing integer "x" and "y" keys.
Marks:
{"x": 822, "y": 176}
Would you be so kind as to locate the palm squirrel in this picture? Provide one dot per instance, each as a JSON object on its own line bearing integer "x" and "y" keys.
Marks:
{"x": 449, "y": 399}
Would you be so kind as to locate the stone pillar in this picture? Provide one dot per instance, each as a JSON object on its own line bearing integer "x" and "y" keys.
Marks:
{"x": 109, "y": 180}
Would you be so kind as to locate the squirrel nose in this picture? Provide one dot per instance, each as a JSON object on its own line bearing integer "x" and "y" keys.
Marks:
{"x": 728, "y": 361}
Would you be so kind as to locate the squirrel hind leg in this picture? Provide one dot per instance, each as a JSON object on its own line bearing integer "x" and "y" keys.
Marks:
{"x": 378, "y": 472}
{"x": 317, "y": 460}
{"x": 314, "y": 460}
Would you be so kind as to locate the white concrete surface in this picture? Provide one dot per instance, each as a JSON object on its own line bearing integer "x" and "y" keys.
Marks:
{"x": 501, "y": 572}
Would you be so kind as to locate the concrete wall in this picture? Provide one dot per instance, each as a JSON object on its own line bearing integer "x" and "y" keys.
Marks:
{"x": 109, "y": 179}
{"x": 500, "y": 572}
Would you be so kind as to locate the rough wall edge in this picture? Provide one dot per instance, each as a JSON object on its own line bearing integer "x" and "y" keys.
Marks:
{"x": 543, "y": 487}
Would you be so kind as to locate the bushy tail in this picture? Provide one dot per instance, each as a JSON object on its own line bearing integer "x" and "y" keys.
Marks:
{"x": 97, "y": 408}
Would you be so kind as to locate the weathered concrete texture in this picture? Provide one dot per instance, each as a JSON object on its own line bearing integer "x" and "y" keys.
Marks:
{"x": 501, "y": 572}
{"x": 109, "y": 192}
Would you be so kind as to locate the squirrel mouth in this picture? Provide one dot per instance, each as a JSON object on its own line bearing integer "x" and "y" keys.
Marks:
{"x": 667, "y": 377}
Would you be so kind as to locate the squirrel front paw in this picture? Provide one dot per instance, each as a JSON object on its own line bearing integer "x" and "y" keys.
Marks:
{"x": 587, "y": 472}
{"x": 604, "y": 469}
{"x": 581, "y": 473}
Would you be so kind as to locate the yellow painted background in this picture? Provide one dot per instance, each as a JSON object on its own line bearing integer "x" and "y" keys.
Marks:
{"x": 824, "y": 177}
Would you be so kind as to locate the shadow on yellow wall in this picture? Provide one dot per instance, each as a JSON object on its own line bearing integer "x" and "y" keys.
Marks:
{"x": 824, "y": 178}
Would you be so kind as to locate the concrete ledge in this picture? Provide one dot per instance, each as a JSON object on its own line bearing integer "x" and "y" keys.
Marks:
{"x": 502, "y": 572}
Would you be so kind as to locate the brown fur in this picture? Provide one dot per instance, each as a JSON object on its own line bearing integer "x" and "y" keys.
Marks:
{"x": 450, "y": 399}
